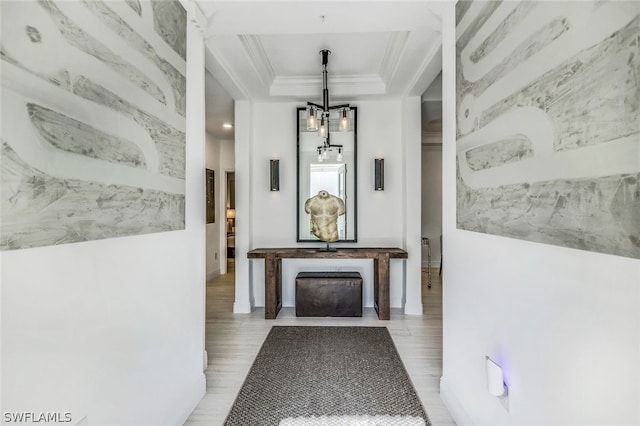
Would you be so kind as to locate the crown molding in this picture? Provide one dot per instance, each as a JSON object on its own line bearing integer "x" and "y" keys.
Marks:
{"x": 258, "y": 58}
{"x": 391, "y": 59}
{"x": 311, "y": 87}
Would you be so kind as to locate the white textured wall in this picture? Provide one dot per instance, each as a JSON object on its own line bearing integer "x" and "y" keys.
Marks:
{"x": 272, "y": 217}
{"x": 113, "y": 329}
{"x": 564, "y": 323}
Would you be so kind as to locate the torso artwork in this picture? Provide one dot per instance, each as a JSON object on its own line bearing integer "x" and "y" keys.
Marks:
{"x": 325, "y": 209}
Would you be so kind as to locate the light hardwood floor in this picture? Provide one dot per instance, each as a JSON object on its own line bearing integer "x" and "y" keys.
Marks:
{"x": 233, "y": 341}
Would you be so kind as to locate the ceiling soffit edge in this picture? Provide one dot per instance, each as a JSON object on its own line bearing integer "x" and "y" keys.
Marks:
{"x": 222, "y": 70}
{"x": 392, "y": 54}
{"x": 258, "y": 59}
{"x": 427, "y": 71}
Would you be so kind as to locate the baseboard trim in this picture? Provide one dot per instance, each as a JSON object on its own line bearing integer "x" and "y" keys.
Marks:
{"x": 413, "y": 309}
{"x": 186, "y": 403}
{"x": 453, "y": 404}
{"x": 241, "y": 308}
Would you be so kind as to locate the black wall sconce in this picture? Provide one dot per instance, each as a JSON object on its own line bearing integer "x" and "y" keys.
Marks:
{"x": 274, "y": 175}
{"x": 379, "y": 174}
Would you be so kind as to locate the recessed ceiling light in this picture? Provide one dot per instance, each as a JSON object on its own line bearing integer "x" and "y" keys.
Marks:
{"x": 227, "y": 125}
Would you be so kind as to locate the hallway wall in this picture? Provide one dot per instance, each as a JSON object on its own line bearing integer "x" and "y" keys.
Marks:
{"x": 269, "y": 218}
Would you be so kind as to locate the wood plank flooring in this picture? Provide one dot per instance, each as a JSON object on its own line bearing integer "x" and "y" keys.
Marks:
{"x": 233, "y": 341}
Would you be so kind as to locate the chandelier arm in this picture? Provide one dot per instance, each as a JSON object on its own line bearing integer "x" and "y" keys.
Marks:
{"x": 321, "y": 108}
{"x": 330, "y": 145}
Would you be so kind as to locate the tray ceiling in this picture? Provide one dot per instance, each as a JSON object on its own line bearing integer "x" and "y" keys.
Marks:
{"x": 268, "y": 50}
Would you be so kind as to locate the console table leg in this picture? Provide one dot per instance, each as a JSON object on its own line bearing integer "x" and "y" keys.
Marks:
{"x": 376, "y": 285}
{"x": 381, "y": 286}
{"x": 272, "y": 286}
{"x": 278, "y": 285}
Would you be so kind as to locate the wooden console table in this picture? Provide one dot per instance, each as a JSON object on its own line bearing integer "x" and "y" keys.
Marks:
{"x": 273, "y": 272}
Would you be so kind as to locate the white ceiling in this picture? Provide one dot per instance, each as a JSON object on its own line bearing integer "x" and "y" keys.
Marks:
{"x": 269, "y": 51}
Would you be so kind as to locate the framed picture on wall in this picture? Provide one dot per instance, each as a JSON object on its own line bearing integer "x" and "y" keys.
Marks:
{"x": 211, "y": 197}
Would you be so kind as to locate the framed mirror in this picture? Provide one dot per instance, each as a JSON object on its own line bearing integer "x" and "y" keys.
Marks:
{"x": 330, "y": 167}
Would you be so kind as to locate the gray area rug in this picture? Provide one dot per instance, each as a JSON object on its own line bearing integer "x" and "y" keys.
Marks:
{"x": 307, "y": 374}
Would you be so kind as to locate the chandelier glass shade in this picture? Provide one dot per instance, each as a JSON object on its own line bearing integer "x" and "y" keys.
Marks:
{"x": 344, "y": 120}
{"x": 312, "y": 119}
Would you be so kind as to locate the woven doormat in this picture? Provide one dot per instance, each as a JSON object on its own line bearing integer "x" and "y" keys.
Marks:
{"x": 327, "y": 373}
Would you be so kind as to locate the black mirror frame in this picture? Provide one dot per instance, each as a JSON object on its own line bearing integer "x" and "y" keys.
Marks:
{"x": 354, "y": 124}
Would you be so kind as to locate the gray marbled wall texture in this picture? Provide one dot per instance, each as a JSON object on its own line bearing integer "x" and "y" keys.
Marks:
{"x": 548, "y": 122}
{"x": 93, "y": 120}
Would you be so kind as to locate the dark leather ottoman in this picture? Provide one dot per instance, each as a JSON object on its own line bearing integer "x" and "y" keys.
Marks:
{"x": 328, "y": 294}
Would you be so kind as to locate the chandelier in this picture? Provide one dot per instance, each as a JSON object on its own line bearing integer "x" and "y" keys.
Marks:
{"x": 318, "y": 116}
